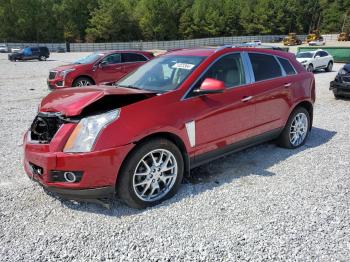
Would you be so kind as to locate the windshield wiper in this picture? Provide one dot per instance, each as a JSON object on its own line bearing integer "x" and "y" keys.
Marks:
{"x": 131, "y": 87}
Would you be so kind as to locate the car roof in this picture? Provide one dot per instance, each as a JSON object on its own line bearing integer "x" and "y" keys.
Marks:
{"x": 225, "y": 49}
{"x": 122, "y": 51}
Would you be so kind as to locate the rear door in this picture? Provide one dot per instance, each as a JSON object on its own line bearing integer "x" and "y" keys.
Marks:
{"x": 131, "y": 61}
{"x": 271, "y": 91}
{"x": 35, "y": 53}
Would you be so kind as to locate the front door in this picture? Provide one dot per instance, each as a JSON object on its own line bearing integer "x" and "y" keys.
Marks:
{"x": 110, "y": 69}
{"x": 224, "y": 118}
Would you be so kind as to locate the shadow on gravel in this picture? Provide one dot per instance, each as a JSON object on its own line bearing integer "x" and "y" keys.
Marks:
{"x": 253, "y": 161}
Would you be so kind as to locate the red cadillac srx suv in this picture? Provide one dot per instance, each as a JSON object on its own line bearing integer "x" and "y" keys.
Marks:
{"x": 97, "y": 68}
{"x": 139, "y": 138}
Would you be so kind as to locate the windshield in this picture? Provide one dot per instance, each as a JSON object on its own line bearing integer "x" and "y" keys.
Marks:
{"x": 162, "y": 74}
{"x": 305, "y": 55}
{"x": 89, "y": 59}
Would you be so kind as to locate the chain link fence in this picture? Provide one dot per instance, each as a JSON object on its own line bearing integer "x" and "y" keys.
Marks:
{"x": 162, "y": 45}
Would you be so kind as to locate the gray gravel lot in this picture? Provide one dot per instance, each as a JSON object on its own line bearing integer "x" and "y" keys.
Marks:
{"x": 265, "y": 203}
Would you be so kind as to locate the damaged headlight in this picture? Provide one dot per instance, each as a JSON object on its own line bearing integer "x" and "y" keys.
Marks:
{"x": 342, "y": 71}
{"x": 85, "y": 133}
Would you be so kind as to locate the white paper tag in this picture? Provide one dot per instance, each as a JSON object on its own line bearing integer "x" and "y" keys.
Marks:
{"x": 183, "y": 66}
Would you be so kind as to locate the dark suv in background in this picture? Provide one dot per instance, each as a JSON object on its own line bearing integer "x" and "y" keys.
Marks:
{"x": 30, "y": 53}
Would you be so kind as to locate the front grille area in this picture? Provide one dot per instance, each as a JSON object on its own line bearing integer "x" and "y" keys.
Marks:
{"x": 346, "y": 79}
{"x": 52, "y": 75}
{"x": 44, "y": 127}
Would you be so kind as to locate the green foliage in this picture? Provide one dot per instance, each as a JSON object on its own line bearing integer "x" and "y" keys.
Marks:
{"x": 126, "y": 20}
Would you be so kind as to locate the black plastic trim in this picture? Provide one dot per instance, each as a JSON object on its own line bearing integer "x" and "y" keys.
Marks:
{"x": 218, "y": 153}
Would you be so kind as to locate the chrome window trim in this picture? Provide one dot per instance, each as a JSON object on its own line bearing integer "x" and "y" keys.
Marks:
{"x": 281, "y": 67}
{"x": 189, "y": 90}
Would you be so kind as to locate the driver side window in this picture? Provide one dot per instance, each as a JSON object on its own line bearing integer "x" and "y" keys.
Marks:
{"x": 228, "y": 69}
{"x": 112, "y": 59}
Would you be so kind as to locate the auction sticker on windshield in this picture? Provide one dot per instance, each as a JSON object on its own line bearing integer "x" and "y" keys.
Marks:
{"x": 183, "y": 66}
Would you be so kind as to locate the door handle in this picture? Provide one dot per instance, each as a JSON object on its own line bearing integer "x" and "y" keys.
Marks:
{"x": 287, "y": 85}
{"x": 246, "y": 98}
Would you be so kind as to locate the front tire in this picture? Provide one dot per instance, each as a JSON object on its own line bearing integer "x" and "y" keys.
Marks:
{"x": 329, "y": 67}
{"x": 151, "y": 174}
{"x": 296, "y": 130}
{"x": 82, "y": 81}
{"x": 310, "y": 68}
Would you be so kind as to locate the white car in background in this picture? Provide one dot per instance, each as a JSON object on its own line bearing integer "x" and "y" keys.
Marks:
{"x": 316, "y": 60}
{"x": 15, "y": 50}
{"x": 318, "y": 42}
{"x": 3, "y": 48}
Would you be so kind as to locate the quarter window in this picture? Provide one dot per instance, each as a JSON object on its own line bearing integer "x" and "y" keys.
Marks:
{"x": 264, "y": 66}
{"x": 288, "y": 68}
{"x": 133, "y": 57}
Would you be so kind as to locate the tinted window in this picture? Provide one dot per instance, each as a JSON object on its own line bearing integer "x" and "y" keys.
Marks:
{"x": 133, "y": 57}
{"x": 288, "y": 68}
{"x": 228, "y": 69}
{"x": 264, "y": 66}
{"x": 89, "y": 59}
{"x": 35, "y": 49}
{"x": 318, "y": 54}
{"x": 112, "y": 59}
{"x": 323, "y": 53}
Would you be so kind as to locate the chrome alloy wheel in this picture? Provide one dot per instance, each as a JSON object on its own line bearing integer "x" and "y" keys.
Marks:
{"x": 298, "y": 129}
{"x": 83, "y": 83}
{"x": 155, "y": 175}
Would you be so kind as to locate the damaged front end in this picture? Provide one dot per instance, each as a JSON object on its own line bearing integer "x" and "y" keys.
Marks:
{"x": 59, "y": 147}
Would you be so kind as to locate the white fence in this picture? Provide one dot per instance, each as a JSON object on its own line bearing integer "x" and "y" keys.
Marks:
{"x": 163, "y": 45}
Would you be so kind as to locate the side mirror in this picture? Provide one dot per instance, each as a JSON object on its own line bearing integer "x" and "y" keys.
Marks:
{"x": 211, "y": 86}
{"x": 102, "y": 64}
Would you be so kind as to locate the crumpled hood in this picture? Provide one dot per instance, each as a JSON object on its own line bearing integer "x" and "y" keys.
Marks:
{"x": 72, "y": 101}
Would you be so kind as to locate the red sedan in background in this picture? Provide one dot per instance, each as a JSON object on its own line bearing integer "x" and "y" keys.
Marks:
{"x": 182, "y": 109}
{"x": 97, "y": 68}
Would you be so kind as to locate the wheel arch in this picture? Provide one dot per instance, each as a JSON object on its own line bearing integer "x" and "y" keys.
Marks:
{"x": 166, "y": 135}
{"x": 86, "y": 76}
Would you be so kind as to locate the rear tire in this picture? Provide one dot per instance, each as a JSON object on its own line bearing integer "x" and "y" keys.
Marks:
{"x": 82, "y": 81}
{"x": 336, "y": 96}
{"x": 42, "y": 58}
{"x": 141, "y": 182}
{"x": 329, "y": 67}
{"x": 296, "y": 130}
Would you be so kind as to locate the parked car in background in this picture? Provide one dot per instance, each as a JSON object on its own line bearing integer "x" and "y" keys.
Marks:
{"x": 3, "y": 48}
{"x": 318, "y": 42}
{"x": 97, "y": 68}
{"x": 341, "y": 84}
{"x": 31, "y": 53}
{"x": 176, "y": 112}
{"x": 316, "y": 60}
{"x": 15, "y": 50}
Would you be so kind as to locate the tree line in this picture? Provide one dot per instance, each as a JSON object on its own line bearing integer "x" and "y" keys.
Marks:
{"x": 133, "y": 20}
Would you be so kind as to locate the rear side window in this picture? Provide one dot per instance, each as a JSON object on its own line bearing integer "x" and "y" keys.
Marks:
{"x": 324, "y": 54}
{"x": 112, "y": 59}
{"x": 133, "y": 57}
{"x": 288, "y": 68}
{"x": 264, "y": 66}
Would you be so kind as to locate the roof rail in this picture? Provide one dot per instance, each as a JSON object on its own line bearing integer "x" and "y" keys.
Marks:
{"x": 248, "y": 45}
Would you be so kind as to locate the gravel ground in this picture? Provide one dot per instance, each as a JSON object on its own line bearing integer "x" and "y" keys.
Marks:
{"x": 265, "y": 203}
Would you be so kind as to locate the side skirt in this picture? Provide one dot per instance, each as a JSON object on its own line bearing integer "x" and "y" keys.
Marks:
{"x": 238, "y": 146}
